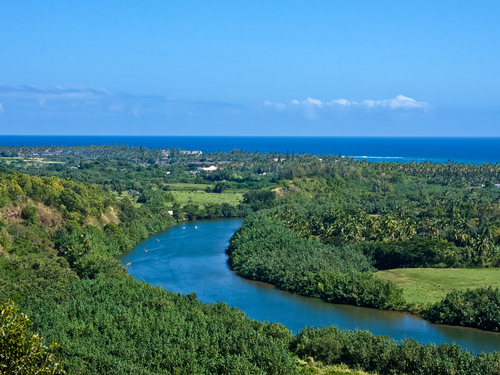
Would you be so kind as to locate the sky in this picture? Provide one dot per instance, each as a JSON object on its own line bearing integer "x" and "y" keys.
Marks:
{"x": 318, "y": 68}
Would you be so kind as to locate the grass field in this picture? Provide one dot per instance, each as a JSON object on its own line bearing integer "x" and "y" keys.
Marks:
{"x": 202, "y": 198}
{"x": 29, "y": 161}
{"x": 188, "y": 187}
{"x": 426, "y": 285}
{"x": 192, "y": 193}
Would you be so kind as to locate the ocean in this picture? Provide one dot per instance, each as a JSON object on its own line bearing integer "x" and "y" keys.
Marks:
{"x": 373, "y": 149}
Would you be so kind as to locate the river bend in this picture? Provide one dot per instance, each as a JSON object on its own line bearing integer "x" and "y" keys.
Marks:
{"x": 193, "y": 260}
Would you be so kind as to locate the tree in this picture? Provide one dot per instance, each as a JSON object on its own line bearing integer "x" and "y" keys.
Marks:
{"x": 176, "y": 209}
{"x": 191, "y": 210}
{"x": 219, "y": 187}
{"x": 29, "y": 215}
{"x": 259, "y": 199}
{"x": 21, "y": 351}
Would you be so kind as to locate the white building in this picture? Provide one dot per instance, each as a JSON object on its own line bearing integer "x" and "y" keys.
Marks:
{"x": 208, "y": 169}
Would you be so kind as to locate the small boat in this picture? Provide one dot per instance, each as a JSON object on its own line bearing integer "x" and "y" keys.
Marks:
{"x": 195, "y": 227}
{"x": 128, "y": 264}
{"x": 157, "y": 240}
{"x": 183, "y": 227}
{"x": 145, "y": 251}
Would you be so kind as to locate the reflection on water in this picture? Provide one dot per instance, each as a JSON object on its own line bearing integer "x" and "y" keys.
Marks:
{"x": 193, "y": 260}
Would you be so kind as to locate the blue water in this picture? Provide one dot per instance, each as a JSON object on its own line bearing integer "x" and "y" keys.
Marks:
{"x": 460, "y": 150}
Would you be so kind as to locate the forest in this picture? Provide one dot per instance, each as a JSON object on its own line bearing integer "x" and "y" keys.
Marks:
{"x": 315, "y": 225}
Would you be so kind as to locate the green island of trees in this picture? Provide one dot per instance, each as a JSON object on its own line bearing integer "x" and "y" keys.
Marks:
{"x": 319, "y": 226}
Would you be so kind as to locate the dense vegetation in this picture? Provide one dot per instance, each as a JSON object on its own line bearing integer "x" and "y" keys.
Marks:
{"x": 318, "y": 226}
{"x": 327, "y": 250}
{"x": 22, "y": 351}
{"x": 472, "y": 307}
{"x": 393, "y": 221}
{"x": 264, "y": 249}
{"x": 58, "y": 241}
{"x": 123, "y": 326}
{"x": 53, "y": 230}
{"x": 361, "y": 349}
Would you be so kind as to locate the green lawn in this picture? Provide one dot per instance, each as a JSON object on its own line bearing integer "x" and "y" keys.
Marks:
{"x": 202, "y": 198}
{"x": 184, "y": 196}
{"x": 188, "y": 187}
{"x": 424, "y": 285}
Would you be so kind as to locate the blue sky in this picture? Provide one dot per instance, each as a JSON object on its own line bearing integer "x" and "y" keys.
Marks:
{"x": 360, "y": 68}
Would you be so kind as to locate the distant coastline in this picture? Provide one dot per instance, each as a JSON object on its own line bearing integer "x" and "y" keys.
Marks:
{"x": 372, "y": 149}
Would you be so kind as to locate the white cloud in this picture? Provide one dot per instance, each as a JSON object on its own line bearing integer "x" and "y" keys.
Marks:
{"x": 399, "y": 101}
{"x": 311, "y": 101}
{"x": 310, "y": 105}
{"x": 278, "y": 106}
{"x": 343, "y": 102}
{"x": 320, "y": 104}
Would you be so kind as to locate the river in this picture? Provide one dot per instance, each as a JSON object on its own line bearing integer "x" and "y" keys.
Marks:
{"x": 190, "y": 258}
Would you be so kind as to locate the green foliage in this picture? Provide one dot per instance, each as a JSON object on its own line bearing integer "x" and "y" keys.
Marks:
{"x": 309, "y": 366}
{"x": 116, "y": 232}
{"x": 363, "y": 350}
{"x": 29, "y": 261}
{"x": 416, "y": 252}
{"x": 191, "y": 211}
{"x": 90, "y": 252}
{"x": 353, "y": 288}
{"x": 264, "y": 249}
{"x": 124, "y": 326}
{"x": 21, "y": 276}
{"x": 479, "y": 308}
{"x": 29, "y": 215}
{"x": 155, "y": 198}
{"x": 76, "y": 201}
{"x": 21, "y": 351}
{"x": 29, "y": 264}
{"x": 344, "y": 226}
{"x": 259, "y": 199}
{"x": 393, "y": 242}
{"x": 218, "y": 188}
